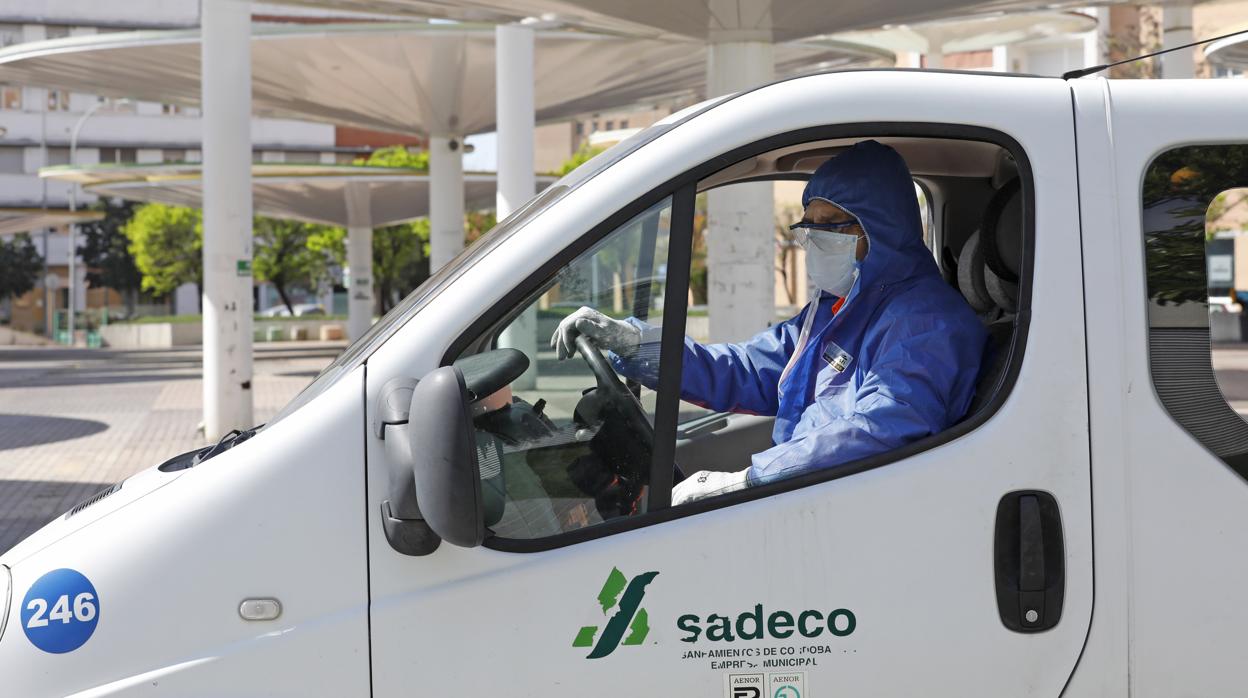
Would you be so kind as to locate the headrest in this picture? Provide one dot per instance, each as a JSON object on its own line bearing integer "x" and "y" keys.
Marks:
{"x": 1003, "y": 244}
{"x": 971, "y": 275}
{"x": 1003, "y": 231}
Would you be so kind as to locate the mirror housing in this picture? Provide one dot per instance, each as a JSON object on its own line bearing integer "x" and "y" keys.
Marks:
{"x": 443, "y": 451}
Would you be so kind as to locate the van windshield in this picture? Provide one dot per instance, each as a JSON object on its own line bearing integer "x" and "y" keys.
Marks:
{"x": 363, "y": 347}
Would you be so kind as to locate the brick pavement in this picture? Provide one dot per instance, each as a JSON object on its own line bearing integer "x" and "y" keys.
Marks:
{"x": 74, "y": 421}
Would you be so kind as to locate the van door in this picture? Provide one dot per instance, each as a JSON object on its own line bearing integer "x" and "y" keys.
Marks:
{"x": 958, "y": 565}
{"x": 1164, "y": 173}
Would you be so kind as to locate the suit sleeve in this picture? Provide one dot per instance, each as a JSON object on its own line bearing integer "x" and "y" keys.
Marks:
{"x": 904, "y": 396}
{"x": 722, "y": 377}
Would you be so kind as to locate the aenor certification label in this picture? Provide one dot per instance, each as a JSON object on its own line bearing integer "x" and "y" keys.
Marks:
{"x": 787, "y": 685}
{"x": 745, "y": 685}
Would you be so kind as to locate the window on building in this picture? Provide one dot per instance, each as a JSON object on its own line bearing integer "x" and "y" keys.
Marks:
{"x": 11, "y": 97}
{"x": 118, "y": 156}
{"x": 170, "y": 109}
{"x": 1195, "y": 214}
{"x": 610, "y": 126}
{"x": 12, "y": 160}
{"x": 302, "y": 156}
{"x": 10, "y": 34}
{"x": 56, "y": 31}
{"x": 58, "y": 156}
{"x": 168, "y": 155}
{"x": 58, "y": 100}
{"x": 623, "y": 123}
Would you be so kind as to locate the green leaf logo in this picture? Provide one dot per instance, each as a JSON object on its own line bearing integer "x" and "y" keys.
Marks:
{"x": 629, "y": 615}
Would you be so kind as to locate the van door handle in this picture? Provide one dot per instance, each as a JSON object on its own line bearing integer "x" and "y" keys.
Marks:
{"x": 1030, "y": 559}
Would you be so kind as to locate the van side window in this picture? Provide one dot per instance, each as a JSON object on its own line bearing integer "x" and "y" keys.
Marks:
{"x": 569, "y": 443}
{"x": 1195, "y": 210}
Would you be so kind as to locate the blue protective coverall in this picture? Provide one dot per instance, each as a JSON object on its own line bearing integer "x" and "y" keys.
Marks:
{"x": 908, "y": 346}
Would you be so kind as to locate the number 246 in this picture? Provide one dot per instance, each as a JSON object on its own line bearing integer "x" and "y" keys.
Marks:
{"x": 83, "y": 610}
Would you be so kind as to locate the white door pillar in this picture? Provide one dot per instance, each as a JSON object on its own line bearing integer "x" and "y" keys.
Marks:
{"x": 359, "y": 261}
{"x": 513, "y": 55}
{"x": 226, "y": 86}
{"x": 1176, "y": 30}
{"x": 740, "y": 243}
{"x": 446, "y": 200}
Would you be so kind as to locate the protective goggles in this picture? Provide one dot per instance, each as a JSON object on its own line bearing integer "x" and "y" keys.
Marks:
{"x": 823, "y": 235}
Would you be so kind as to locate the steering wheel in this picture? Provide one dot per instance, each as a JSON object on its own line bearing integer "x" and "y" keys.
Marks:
{"x": 615, "y": 391}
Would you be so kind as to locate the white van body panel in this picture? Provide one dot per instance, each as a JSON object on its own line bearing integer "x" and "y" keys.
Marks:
{"x": 907, "y": 547}
{"x": 279, "y": 516}
{"x": 1185, "y": 513}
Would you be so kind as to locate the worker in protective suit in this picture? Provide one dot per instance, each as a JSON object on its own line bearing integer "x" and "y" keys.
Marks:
{"x": 885, "y": 354}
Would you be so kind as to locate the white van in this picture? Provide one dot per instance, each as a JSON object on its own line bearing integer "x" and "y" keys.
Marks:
{"x": 1082, "y": 532}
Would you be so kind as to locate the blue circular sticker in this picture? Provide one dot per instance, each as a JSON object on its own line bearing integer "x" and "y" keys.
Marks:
{"x": 60, "y": 611}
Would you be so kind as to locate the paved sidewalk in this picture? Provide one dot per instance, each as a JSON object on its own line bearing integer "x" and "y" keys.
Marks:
{"x": 74, "y": 421}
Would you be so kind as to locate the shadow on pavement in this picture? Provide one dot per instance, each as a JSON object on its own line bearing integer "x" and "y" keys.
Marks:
{"x": 37, "y": 503}
{"x": 22, "y": 430}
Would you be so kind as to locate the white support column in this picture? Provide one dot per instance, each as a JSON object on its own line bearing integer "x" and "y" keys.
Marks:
{"x": 226, "y": 85}
{"x": 513, "y": 55}
{"x": 1096, "y": 42}
{"x": 934, "y": 59}
{"x": 446, "y": 200}
{"x": 516, "y": 116}
{"x": 1176, "y": 23}
{"x": 359, "y": 284}
{"x": 740, "y": 243}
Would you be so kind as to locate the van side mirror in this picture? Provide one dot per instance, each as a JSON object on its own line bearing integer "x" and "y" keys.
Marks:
{"x": 432, "y": 447}
{"x": 443, "y": 449}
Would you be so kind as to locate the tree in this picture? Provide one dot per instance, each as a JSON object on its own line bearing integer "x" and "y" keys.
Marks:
{"x": 400, "y": 260}
{"x": 167, "y": 244}
{"x": 397, "y": 156}
{"x": 285, "y": 255}
{"x": 20, "y": 266}
{"x": 105, "y": 251}
{"x": 582, "y": 155}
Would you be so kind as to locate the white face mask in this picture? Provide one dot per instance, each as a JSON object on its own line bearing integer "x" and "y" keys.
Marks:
{"x": 830, "y": 258}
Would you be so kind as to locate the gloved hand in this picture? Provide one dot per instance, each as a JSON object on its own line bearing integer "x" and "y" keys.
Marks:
{"x": 706, "y": 483}
{"x": 615, "y": 335}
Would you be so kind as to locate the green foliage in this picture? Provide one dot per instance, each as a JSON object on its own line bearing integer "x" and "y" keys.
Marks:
{"x": 580, "y": 157}
{"x": 478, "y": 223}
{"x": 105, "y": 249}
{"x": 400, "y": 260}
{"x": 20, "y": 266}
{"x": 397, "y": 156}
{"x": 167, "y": 244}
{"x": 285, "y": 255}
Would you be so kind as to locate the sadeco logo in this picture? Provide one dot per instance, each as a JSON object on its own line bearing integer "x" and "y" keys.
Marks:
{"x": 629, "y": 615}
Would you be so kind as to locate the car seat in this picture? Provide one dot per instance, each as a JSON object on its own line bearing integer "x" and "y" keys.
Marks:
{"x": 988, "y": 277}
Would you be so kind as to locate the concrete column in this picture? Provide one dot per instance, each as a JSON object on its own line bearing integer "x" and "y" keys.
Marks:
{"x": 1096, "y": 42}
{"x": 516, "y": 117}
{"x": 934, "y": 59}
{"x": 226, "y": 124}
{"x": 516, "y": 183}
{"x": 446, "y": 200}
{"x": 359, "y": 284}
{"x": 740, "y": 241}
{"x": 1176, "y": 30}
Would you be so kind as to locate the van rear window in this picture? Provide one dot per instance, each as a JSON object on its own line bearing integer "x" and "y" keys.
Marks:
{"x": 1195, "y": 225}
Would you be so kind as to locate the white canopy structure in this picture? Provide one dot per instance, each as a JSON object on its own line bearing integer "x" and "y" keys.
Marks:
{"x": 975, "y": 33}
{"x": 22, "y": 220}
{"x": 703, "y": 20}
{"x": 1230, "y": 53}
{"x": 410, "y": 78}
{"x": 355, "y": 197}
